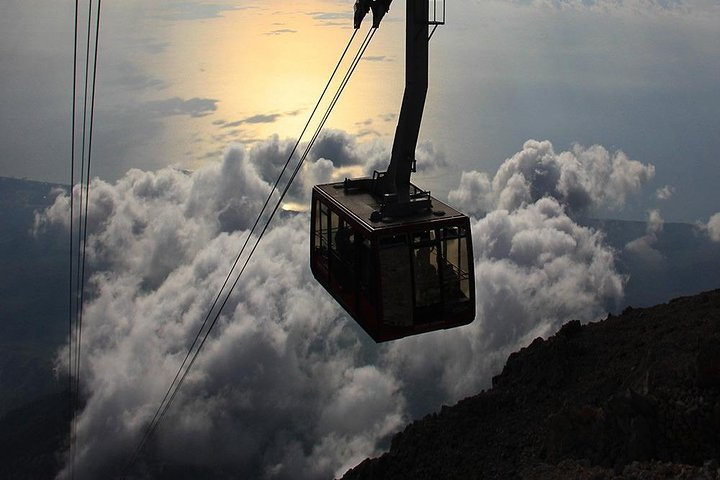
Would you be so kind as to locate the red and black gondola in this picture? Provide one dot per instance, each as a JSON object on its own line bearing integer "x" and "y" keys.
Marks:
{"x": 396, "y": 276}
{"x": 399, "y": 261}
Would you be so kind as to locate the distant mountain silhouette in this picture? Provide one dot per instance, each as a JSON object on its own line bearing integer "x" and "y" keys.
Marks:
{"x": 684, "y": 261}
{"x": 636, "y": 396}
{"x": 33, "y": 294}
{"x": 32, "y": 438}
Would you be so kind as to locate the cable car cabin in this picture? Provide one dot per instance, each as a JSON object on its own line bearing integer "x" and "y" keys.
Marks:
{"x": 395, "y": 276}
{"x": 396, "y": 259}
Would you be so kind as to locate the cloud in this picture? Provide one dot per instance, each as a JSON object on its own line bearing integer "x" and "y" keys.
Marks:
{"x": 193, "y": 107}
{"x": 193, "y": 11}
{"x": 713, "y": 227}
{"x": 287, "y": 385}
{"x": 581, "y": 179}
{"x": 427, "y": 157}
{"x": 655, "y": 222}
{"x": 281, "y": 31}
{"x": 344, "y": 151}
{"x": 471, "y": 195}
{"x": 643, "y": 247}
{"x": 613, "y": 5}
{"x": 338, "y": 146}
{"x": 280, "y": 389}
{"x": 331, "y": 15}
{"x": 328, "y": 19}
{"x": 255, "y": 119}
{"x": 535, "y": 269}
{"x": 665, "y": 193}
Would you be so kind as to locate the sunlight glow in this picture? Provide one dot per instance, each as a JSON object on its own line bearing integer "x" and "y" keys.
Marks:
{"x": 268, "y": 70}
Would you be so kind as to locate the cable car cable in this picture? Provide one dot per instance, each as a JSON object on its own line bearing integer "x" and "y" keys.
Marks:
{"x": 163, "y": 405}
{"x": 83, "y": 148}
{"x": 83, "y": 210}
{"x": 71, "y": 291}
{"x": 78, "y": 287}
{"x": 252, "y": 230}
{"x": 152, "y": 427}
{"x": 267, "y": 223}
{"x": 87, "y": 178}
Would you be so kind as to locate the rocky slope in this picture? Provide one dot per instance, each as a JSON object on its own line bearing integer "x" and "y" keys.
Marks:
{"x": 635, "y": 396}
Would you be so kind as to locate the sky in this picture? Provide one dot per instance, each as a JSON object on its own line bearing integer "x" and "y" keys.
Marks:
{"x": 181, "y": 80}
{"x": 539, "y": 113}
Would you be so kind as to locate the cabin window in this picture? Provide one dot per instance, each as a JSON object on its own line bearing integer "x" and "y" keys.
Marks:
{"x": 332, "y": 230}
{"x": 344, "y": 253}
{"x": 455, "y": 274}
{"x": 395, "y": 271}
{"x": 426, "y": 275}
{"x": 321, "y": 226}
{"x": 367, "y": 268}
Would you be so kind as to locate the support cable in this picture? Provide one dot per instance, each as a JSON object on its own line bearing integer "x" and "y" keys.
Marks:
{"x": 83, "y": 209}
{"x": 267, "y": 223}
{"x": 71, "y": 292}
{"x": 165, "y": 403}
{"x": 78, "y": 286}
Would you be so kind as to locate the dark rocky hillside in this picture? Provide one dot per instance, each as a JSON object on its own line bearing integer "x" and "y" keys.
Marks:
{"x": 635, "y": 396}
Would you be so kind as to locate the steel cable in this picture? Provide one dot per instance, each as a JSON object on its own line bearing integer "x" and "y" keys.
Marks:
{"x": 179, "y": 379}
{"x": 86, "y": 137}
{"x": 267, "y": 223}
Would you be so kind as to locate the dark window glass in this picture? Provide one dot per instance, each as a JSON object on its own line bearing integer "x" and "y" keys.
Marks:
{"x": 396, "y": 280}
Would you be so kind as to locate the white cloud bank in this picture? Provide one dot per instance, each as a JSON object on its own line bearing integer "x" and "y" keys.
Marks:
{"x": 279, "y": 389}
{"x": 535, "y": 269}
{"x": 581, "y": 179}
{"x": 287, "y": 386}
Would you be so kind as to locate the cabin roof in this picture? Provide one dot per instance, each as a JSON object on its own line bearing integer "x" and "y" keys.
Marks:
{"x": 360, "y": 205}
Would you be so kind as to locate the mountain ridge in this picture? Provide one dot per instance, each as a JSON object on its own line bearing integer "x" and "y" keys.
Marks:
{"x": 632, "y": 396}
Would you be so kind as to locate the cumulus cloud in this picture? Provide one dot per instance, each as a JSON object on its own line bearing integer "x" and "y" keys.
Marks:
{"x": 288, "y": 386}
{"x": 339, "y": 147}
{"x": 472, "y": 195}
{"x": 427, "y": 157}
{"x": 643, "y": 247}
{"x": 335, "y": 155}
{"x": 535, "y": 269}
{"x": 280, "y": 389}
{"x": 665, "y": 193}
{"x": 655, "y": 222}
{"x": 581, "y": 179}
{"x": 713, "y": 227}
